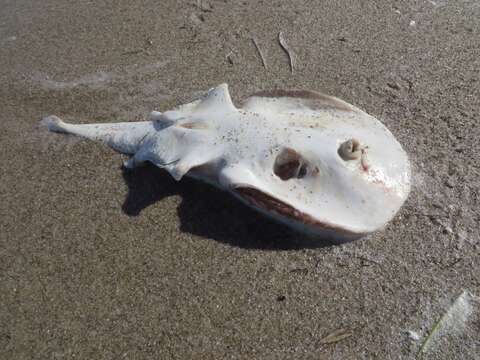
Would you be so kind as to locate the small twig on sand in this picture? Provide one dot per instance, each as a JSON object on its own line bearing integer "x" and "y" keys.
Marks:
{"x": 283, "y": 44}
{"x": 336, "y": 336}
{"x": 366, "y": 259}
{"x": 259, "y": 52}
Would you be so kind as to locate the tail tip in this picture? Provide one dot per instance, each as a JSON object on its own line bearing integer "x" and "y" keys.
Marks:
{"x": 53, "y": 123}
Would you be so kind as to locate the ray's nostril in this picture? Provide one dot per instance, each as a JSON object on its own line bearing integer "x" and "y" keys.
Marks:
{"x": 289, "y": 164}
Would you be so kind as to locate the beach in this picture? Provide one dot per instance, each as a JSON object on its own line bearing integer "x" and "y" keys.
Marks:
{"x": 100, "y": 263}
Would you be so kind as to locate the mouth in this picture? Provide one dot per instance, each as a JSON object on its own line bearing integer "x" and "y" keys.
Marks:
{"x": 271, "y": 205}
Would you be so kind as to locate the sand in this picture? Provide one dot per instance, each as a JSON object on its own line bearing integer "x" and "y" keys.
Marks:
{"x": 100, "y": 264}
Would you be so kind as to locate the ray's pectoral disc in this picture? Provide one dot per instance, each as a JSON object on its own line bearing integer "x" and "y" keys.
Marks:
{"x": 309, "y": 160}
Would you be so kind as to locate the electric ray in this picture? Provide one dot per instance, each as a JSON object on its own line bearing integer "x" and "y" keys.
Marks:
{"x": 306, "y": 159}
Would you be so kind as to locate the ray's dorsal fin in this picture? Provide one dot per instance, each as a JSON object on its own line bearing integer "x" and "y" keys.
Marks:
{"x": 284, "y": 101}
{"x": 217, "y": 99}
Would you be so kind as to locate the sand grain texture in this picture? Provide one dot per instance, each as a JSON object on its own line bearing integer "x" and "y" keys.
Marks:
{"x": 97, "y": 264}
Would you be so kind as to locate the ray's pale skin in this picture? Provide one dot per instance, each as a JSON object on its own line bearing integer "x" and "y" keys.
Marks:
{"x": 306, "y": 159}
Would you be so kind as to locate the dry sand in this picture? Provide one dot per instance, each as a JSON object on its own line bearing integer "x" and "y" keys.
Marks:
{"x": 97, "y": 264}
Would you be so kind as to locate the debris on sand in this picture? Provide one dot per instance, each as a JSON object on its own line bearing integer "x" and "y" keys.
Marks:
{"x": 260, "y": 53}
{"x": 145, "y": 49}
{"x": 283, "y": 44}
{"x": 393, "y": 85}
{"x": 453, "y": 320}
{"x": 229, "y": 57}
{"x": 336, "y": 336}
{"x": 413, "y": 335}
{"x": 204, "y": 6}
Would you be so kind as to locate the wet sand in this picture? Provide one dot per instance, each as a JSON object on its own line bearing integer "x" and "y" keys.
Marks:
{"x": 100, "y": 264}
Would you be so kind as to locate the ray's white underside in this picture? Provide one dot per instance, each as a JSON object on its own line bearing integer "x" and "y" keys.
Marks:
{"x": 316, "y": 189}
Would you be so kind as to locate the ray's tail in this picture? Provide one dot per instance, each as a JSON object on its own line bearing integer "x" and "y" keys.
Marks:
{"x": 125, "y": 137}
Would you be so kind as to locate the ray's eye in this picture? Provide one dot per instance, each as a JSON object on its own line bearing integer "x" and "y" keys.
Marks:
{"x": 290, "y": 164}
{"x": 350, "y": 150}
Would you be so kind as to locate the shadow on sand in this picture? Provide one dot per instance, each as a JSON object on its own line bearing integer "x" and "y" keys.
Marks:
{"x": 208, "y": 212}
